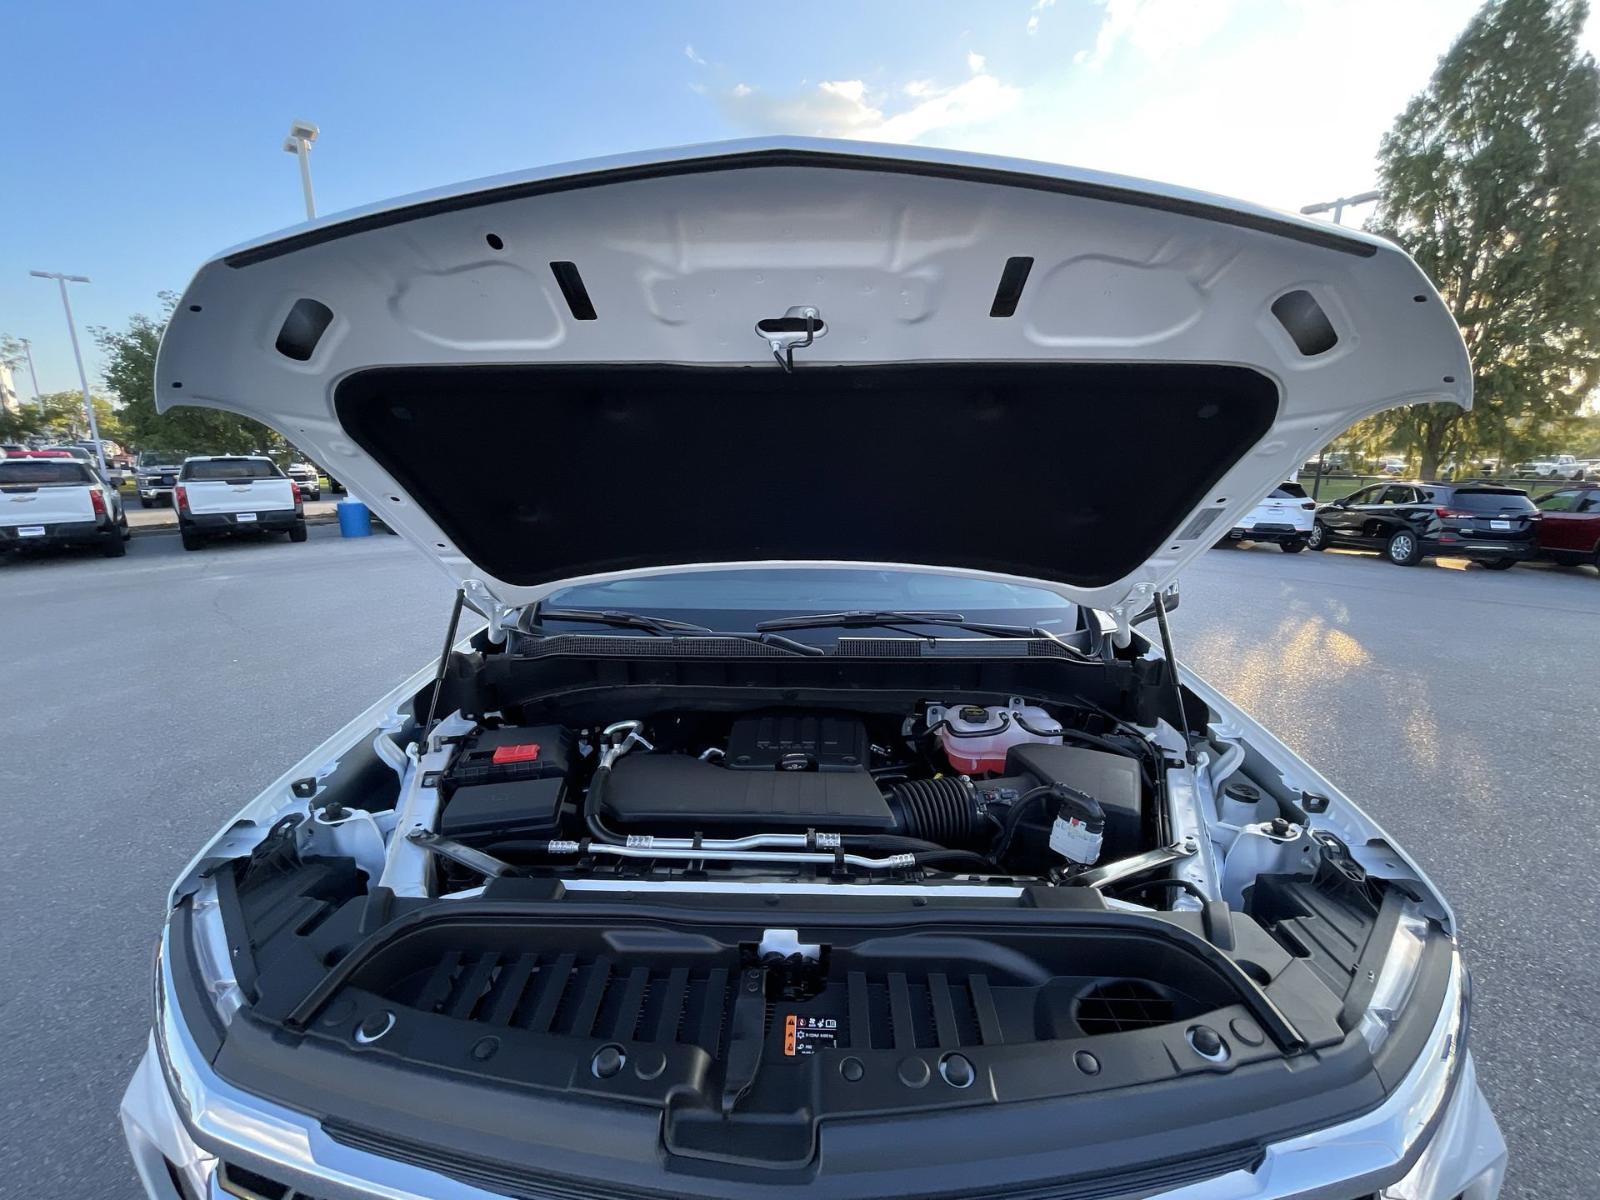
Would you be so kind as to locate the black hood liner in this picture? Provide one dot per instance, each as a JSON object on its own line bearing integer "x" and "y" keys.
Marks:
{"x": 1070, "y": 472}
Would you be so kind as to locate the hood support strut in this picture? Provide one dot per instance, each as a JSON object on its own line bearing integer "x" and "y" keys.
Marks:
{"x": 1172, "y": 674}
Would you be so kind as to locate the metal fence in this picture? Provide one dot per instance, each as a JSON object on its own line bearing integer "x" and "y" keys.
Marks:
{"x": 1335, "y": 485}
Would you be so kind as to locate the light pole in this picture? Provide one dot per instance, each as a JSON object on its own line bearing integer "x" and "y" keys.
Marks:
{"x": 27, "y": 348}
{"x": 83, "y": 378}
{"x": 301, "y": 135}
{"x": 1336, "y": 207}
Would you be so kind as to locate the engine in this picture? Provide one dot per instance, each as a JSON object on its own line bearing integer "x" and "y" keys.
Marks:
{"x": 998, "y": 789}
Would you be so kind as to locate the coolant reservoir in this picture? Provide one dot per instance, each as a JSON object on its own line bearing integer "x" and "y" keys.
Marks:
{"x": 975, "y": 738}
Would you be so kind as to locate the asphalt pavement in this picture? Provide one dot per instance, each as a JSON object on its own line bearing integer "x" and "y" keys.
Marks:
{"x": 148, "y": 697}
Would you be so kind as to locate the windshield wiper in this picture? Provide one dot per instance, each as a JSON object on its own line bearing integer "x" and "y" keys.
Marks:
{"x": 615, "y": 618}
{"x": 661, "y": 626}
{"x": 893, "y": 618}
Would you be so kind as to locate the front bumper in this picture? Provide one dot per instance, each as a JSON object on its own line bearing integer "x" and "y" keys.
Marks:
{"x": 1409, "y": 1148}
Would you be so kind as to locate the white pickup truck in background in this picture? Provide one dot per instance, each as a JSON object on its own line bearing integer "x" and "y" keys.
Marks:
{"x": 1560, "y": 466}
{"x": 59, "y": 501}
{"x": 222, "y": 495}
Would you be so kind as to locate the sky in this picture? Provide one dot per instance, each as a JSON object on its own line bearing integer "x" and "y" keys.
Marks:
{"x": 142, "y": 139}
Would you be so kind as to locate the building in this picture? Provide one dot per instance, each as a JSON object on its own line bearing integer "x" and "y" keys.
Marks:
{"x": 8, "y": 390}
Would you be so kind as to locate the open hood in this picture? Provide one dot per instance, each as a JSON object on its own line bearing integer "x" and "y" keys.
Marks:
{"x": 1015, "y": 370}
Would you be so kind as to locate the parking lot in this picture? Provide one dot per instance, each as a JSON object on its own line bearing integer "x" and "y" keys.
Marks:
{"x": 148, "y": 697}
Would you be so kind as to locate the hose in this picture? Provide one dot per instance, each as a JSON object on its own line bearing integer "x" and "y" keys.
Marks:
{"x": 937, "y": 810}
{"x": 598, "y": 829}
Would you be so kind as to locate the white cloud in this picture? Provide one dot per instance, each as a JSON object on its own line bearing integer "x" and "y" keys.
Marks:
{"x": 1264, "y": 107}
{"x": 1157, "y": 29}
{"x": 849, "y": 108}
{"x": 692, "y": 56}
{"x": 1033, "y": 14}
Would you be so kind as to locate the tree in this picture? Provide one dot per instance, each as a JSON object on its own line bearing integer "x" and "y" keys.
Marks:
{"x": 62, "y": 419}
{"x": 131, "y": 373}
{"x": 1491, "y": 179}
{"x": 21, "y": 425}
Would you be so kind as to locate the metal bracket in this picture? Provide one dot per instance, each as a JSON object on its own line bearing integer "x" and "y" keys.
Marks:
{"x": 1138, "y": 864}
{"x": 795, "y": 330}
{"x": 501, "y": 617}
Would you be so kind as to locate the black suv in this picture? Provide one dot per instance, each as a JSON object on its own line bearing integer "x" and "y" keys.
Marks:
{"x": 1408, "y": 522}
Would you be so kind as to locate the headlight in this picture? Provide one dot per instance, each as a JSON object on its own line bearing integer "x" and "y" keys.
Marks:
{"x": 1397, "y": 977}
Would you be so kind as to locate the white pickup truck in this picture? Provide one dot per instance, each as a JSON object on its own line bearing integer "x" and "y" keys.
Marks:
{"x": 220, "y": 495}
{"x": 59, "y": 501}
{"x": 1560, "y": 466}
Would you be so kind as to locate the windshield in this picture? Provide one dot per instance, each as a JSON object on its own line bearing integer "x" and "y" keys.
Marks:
{"x": 737, "y": 599}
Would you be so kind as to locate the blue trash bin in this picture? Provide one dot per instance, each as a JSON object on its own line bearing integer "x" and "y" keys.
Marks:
{"x": 355, "y": 520}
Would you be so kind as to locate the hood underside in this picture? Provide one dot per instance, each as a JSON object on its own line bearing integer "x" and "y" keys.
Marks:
{"x": 1018, "y": 370}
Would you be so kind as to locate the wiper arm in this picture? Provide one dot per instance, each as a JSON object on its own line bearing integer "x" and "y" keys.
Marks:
{"x": 661, "y": 626}
{"x": 859, "y": 618}
{"x": 616, "y": 618}
{"x": 891, "y": 618}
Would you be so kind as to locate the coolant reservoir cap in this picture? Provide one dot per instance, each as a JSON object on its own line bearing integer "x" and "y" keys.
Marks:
{"x": 972, "y": 712}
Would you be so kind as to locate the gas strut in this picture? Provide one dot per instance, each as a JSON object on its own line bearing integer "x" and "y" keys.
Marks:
{"x": 1172, "y": 675}
{"x": 444, "y": 665}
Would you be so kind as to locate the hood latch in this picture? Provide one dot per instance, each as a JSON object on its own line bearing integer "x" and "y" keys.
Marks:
{"x": 796, "y": 329}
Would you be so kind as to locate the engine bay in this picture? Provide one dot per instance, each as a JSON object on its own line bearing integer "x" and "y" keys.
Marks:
{"x": 1045, "y": 795}
{"x": 746, "y": 902}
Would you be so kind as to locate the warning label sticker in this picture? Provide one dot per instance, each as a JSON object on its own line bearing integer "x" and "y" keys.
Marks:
{"x": 807, "y": 1035}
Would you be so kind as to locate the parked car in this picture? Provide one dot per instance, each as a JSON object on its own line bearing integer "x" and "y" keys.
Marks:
{"x": 82, "y": 453}
{"x": 220, "y": 495}
{"x": 1334, "y": 463}
{"x": 1284, "y": 517}
{"x": 56, "y": 500}
{"x": 1562, "y": 466}
{"x": 664, "y": 883}
{"x": 1391, "y": 466}
{"x": 306, "y": 479}
{"x": 156, "y": 476}
{"x": 1407, "y": 522}
{"x": 1569, "y": 525}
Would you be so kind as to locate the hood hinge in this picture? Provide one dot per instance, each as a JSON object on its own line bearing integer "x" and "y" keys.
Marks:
{"x": 502, "y": 618}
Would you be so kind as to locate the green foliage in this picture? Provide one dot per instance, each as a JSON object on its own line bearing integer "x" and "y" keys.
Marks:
{"x": 1491, "y": 179}
{"x": 12, "y": 352}
{"x": 21, "y": 425}
{"x": 130, "y": 372}
{"x": 63, "y": 418}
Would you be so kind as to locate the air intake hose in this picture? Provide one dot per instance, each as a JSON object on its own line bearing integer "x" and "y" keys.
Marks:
{"x": 944, "y": 810}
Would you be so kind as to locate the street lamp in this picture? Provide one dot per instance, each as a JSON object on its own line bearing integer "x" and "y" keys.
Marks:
{"x": 301, "y": 135}
{"x": 83, "y": 378}
{"x": 27, "y": 348}
{"x": 1336, "y": 207}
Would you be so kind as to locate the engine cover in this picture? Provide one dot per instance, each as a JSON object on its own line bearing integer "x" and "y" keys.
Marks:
{"x": 677, "y": 794}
